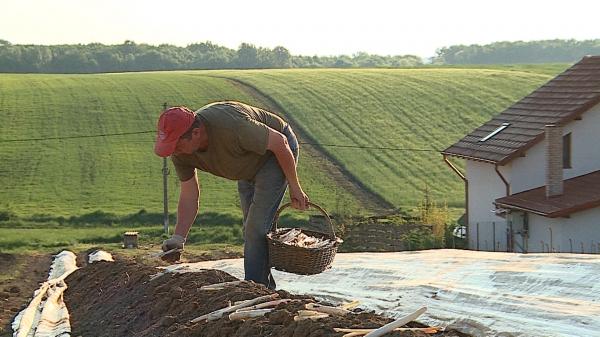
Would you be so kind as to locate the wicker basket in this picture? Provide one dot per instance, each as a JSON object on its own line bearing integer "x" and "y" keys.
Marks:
{"x": 301, "y": 260}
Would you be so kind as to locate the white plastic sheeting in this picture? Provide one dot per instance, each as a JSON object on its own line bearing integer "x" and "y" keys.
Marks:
{"x": 46, "y": 315}
{"x": 482, "y": 293}
{"x": 100, "y": 255}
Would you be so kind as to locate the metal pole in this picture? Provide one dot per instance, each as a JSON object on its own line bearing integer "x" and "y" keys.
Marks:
{"x": 494, "y": 234}
{"x": 511, "y": 237}
{"x": 165, "y": 171}
{"x": 571, "y": 245}
{"x": 478, "y": 236}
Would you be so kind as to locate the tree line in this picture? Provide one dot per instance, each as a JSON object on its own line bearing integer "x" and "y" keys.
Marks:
{"x": 130, "y": 56}
{"x": 543, "y": 51}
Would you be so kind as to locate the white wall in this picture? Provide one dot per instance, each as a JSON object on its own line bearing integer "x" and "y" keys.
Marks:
{"x": 485, "y": 186}
{"x": 581, "y": 227}
{"x": 585, "y": 140}
{"x": 526, "y": 173}
{"x": 529, "y": 172}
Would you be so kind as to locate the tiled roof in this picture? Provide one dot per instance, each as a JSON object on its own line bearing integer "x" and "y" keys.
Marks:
{"x": 580, "y": 193}
{"x": 559, "y": 101}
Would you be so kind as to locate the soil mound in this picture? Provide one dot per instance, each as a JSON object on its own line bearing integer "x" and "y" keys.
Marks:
{"x": 20, "y": 275}
{"x": 120, "y": 299}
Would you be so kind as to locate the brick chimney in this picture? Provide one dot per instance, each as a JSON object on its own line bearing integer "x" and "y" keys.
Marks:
{"x": 554, "y": 160}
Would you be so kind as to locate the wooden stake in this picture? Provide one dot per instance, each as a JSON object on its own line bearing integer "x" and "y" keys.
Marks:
{"x": 219, "y": 313}
{"x": 360, "y": 332}
{"x": 238, "y": 315}
{"x": 327, "y": 309}
{"x": 350, "y": 305}
{"x": 396, "y": 324}
{"x": 219, "y": 286}
{"x": 266, "y": 304}
{"x": 303, "y": 317}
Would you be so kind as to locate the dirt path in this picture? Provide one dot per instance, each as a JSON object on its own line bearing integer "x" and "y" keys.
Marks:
{"x": 342, "y": 177}
{"x": 20, "y": 276}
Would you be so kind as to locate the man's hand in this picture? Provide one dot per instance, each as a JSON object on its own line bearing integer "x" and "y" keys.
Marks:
{"x": 298, "y": 198}
{"x": 176, "y": 241}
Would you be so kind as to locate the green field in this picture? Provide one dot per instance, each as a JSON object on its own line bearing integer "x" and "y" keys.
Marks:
{"x": 403, "y": 110}
{"x": 117, "y": 174}
{"x": 417, "y": 111}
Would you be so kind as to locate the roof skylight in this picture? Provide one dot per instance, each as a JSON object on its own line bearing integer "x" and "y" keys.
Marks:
{"x": 495, "y": 132}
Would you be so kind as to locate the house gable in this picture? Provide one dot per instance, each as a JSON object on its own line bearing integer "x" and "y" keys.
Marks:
{"x": 528, "y": 172}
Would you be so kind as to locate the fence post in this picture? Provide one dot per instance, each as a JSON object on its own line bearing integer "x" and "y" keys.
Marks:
{"x": 511, "y": 236}
{"x": 542, "y": 242}
{"x": 165, "y": 172}
{"x": 494, "y": 234}
{"x": 571, "y": 245}
{"x": 478, "y": 236}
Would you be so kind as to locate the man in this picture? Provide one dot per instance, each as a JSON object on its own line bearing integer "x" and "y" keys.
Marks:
{"x": 238, "y": 142}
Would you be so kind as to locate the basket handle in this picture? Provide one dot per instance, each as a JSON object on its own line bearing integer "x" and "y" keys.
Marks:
{"x": 310, "y": 204}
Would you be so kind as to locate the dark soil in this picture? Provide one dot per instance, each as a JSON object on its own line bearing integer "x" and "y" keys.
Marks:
{"x": 119, "y": 299}
{"x": 20, "y": 276}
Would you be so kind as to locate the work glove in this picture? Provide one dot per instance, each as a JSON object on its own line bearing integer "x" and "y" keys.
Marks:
{"x": 176, "y": 241}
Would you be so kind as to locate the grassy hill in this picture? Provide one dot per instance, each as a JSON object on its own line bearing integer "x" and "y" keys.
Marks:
{"x": 397, "y": 119}
{"x": 424, "y": 109}
{"x": 116, "y": 174}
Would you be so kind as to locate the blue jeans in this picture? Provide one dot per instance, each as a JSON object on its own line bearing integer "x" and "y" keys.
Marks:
{"x": 260, "y": 199}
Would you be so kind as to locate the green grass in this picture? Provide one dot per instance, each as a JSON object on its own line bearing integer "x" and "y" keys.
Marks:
{"x": 119, "y": 175}
{"x": 68, "y": 181}
{"x": 54, "y": 239}
{"x": 545, "y": 68}
{"x": 426, "y": 109}
{"x": 50, "y": 234}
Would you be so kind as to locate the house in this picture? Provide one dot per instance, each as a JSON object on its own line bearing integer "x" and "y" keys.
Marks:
{"x": 532, "y": 180}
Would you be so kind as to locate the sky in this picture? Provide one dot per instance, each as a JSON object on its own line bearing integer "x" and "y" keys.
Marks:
{"x": 307, "y": 27}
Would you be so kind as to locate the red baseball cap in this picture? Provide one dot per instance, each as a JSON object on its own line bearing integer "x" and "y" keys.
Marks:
{"x": 172, "y": 124}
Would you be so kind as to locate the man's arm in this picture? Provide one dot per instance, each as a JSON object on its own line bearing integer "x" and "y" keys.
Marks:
{"x": 278, "y": 144}
{"x": 186, "y": 214}
{"x": 187, "y": 208}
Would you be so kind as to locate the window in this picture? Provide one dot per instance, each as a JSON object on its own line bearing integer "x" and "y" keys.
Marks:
{"x": 567, "y": 151}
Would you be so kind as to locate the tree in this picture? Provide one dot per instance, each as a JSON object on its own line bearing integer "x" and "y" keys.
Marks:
{"x": 281, "y": 57}
{"x": 247, "y": 56}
